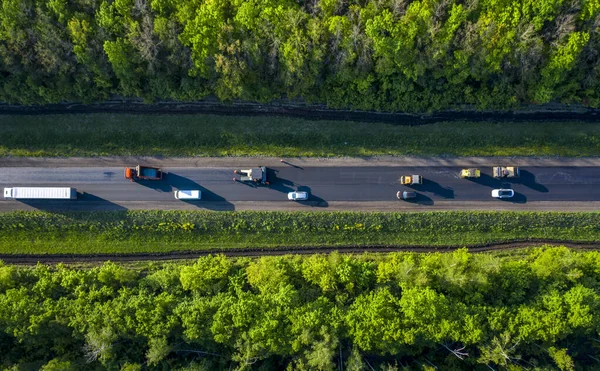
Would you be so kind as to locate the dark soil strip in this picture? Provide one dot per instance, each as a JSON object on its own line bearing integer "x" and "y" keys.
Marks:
{"x": 250, "y": 252}
{"x": 300, "y": 109}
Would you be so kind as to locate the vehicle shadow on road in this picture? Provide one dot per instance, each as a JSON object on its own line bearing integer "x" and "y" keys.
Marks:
{"x": 95, "y": 203}
{"x": 313, "y": 200}
{"x": 433, "y": 187}
{"x": 486, "y": 180}
{"x": 528, "y": 180}
{"x": 518, "y": 198}
{"x": 279, "y": 184}
{"x": 248, "y": 184}
{"x": 422, "y": 199}
{"x": 158, "y": 185}
{"x": 84, "y": 202}
{"x": 209, "y": 200}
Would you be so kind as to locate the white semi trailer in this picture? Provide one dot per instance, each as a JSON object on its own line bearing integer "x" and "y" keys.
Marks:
{"x": 41, "y": 193}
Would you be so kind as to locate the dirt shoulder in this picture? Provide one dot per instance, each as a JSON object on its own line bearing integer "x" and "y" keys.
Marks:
{"x": 189, "y": 255}
{"x": 303, "y": 162}
{"x": 300, "y": 108}
{"x": 369, "y": 206}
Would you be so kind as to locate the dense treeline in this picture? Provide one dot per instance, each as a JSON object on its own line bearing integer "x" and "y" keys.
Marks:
{"x": 378, "y": 54}
{"x": 454, "y": 311}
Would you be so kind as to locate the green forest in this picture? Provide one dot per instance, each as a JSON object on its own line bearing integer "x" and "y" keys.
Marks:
{"x": 536, "y": 310}
{"x": 391, "y": 55}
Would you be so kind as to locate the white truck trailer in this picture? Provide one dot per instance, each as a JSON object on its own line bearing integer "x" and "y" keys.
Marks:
{"x": 41, "y": 193}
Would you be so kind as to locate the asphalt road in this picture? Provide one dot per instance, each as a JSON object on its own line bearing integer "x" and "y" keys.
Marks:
{"x": 106, "y": 188}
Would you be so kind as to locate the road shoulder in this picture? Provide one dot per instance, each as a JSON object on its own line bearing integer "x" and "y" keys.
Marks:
{"x": 311, "y": 206}
{"x": 223, "y": 162}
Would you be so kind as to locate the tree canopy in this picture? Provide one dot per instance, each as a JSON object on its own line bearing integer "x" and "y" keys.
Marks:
{"x": 390, "y": 55}
{"x": 539, "y": 310}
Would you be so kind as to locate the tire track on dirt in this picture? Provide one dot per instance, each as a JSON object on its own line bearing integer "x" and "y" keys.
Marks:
{"x": 31, "y": 259}
{"x": 301, "y": 109}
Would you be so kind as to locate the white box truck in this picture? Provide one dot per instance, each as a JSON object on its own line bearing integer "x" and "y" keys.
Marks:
{"x": 41, "y": 193}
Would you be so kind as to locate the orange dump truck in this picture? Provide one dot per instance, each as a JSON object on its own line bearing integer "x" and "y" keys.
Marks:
{"x": 143, "y": 173}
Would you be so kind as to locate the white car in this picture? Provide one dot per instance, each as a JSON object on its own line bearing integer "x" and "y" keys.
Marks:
{"x": 191, "y": 194}
{"x": 406, "y": 195}
{"x": 298, "y": 196}
{"x": 503, "y": 193}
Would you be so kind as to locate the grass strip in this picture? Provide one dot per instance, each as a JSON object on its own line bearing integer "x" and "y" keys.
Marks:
{"x": 211, "y": 135}
{"x": 167, "y": 231}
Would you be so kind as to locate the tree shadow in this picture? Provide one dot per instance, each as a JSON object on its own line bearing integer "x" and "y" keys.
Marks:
{"x": 313, "y": 200}
{"x": 209, "y": 200}
{"x": 433, "y": 187}
{"x": 486, "y": 180}
{"x": 84, "y": 202}
{"x": 292, "y": 165}
{"x": 527, "y": 179}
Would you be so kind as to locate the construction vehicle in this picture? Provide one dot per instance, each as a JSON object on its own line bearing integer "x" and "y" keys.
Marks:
{"x": 256, "y": 175}
{"x": 143, "y": 173}
{"x": 411, "y": 179}
{"x": 470, "y": 173}
{"x": 41, "y": 193}
{"x": 506, "y": 172}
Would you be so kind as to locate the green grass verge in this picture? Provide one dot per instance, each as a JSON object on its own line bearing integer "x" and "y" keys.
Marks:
{"x": 164, "y": 231}
{"x": 210, "y": 135}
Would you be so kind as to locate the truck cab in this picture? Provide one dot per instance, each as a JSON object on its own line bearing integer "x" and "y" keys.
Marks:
{"x": 506, "y": 172}
{"x": 256, "y": 175}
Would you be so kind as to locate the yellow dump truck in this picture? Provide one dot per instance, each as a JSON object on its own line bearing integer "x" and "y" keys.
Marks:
{"x": 411, "y": 179}
{"x": 470, "y": 173}
{"x": 506, "y": 172}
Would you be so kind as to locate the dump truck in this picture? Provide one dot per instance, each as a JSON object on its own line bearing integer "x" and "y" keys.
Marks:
{"x": 143, "y": 173}
{"x": 256, "y": 175}
{"x": 411, "y": 179}
{"x": 41, "y": 193}
{"x": 470, "y": 173}
{"x": 506, "y": 172}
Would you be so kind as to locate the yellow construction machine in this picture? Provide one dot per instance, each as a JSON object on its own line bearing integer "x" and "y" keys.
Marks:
{"x": 470, "y": 173}
{"x": 411, "y": 179}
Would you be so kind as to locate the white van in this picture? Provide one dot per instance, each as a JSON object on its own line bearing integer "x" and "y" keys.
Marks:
{"x": 191, "y": 194}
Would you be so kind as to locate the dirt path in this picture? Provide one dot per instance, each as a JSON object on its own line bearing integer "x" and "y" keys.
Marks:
{"x": 189, "y": 255}
{"x": 299, "y": 108}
